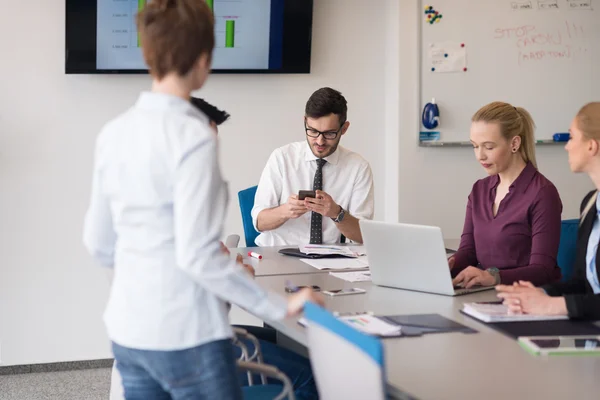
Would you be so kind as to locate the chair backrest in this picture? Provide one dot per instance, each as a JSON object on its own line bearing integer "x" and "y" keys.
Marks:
{"x": 246, "y": 198}
{"x": 567, "y": 247}
{"x": 347, "y": 364}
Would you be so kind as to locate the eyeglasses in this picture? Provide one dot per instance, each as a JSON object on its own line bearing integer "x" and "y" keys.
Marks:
{"x": 328, "y": 135}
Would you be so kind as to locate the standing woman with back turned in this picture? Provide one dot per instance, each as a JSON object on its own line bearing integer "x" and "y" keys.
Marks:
{"x": 579, "y": 297}
{"x": 512, "y": 223}
{"x": 156, "y": 212}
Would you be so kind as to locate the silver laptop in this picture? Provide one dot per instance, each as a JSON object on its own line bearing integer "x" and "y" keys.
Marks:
{"x": 409, "y": 257}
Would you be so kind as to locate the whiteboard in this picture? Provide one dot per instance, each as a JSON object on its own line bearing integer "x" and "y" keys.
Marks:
{"x": 543, "y": 55}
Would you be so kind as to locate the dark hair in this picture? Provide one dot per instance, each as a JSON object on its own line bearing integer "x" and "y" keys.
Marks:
{"x": 174, "y": 34}
{"x": 212, "y": 112}
{"x": 327, "y": 101}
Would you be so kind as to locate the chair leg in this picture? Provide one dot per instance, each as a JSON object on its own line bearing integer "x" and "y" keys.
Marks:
{"x": 244, "y": 357}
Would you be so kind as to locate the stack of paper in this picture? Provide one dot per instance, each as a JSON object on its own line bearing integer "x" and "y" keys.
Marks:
{"x": 328, "y": 250}
{"x": 355, "y": 276}
{"x": 337, "y": 263}
{"x": 490, "y": 312}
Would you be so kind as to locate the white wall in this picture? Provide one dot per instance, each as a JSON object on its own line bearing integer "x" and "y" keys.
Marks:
{"x": 434, "y": 183}
{"x": 51, "y": 294}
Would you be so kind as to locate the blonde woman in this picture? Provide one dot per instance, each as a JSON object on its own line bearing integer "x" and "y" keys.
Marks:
{"x": 580, "y": 297}
{"x": 512, "y": 223}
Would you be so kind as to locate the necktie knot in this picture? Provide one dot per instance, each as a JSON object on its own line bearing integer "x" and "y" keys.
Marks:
{"x": 321, "y": 162}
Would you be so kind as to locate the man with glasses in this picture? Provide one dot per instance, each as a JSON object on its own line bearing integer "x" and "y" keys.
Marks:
{"x": 341, "y": 180}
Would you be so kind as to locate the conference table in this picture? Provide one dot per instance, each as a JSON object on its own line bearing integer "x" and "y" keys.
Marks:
{"x": 486, "y": 364}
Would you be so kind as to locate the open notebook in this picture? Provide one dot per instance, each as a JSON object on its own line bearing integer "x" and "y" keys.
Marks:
{"x": 495, "y": 312}
{"x": 316, "y": 251}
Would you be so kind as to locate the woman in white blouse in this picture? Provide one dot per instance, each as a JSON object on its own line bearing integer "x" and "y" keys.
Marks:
{"x": 156, "y": 211}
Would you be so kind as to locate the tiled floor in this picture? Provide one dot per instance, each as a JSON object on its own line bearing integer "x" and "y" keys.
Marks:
{"x": 88, "y": 384}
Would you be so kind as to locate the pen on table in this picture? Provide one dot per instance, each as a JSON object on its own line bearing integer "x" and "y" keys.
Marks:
{"x": 255, "y": 255}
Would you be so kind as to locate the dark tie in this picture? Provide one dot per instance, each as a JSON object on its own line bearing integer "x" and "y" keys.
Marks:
{"x": 316, "y": 219}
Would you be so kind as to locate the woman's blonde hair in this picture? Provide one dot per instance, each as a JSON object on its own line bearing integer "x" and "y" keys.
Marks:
{"x": 588, "y": 120}
{"x": 513, "y": 121}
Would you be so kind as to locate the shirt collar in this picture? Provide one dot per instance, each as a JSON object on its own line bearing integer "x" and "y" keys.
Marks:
{"x": 524, "y": 178}
{"x": 522, "y": 181}
{"x": 163, "y": 101}
{"x": 331, "y": 159}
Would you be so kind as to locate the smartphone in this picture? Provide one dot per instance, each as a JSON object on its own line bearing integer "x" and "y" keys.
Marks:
{"x": 303, "y": 194}
{"x": 290, "y": 289}
{"x": 343, "y": 292}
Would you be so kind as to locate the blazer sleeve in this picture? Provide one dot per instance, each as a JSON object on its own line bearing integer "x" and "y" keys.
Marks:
{"x": 583, "y": 306}
{"x": 576, "y": 286}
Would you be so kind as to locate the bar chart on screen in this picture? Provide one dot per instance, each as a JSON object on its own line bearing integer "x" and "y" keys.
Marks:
{"x": 242, "y": 30}
{"x": 136, "y": 6}
{"x": 242, "y": 34}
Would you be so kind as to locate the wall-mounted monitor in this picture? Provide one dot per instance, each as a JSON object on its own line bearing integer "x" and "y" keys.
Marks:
{"x": 252, "y": 36}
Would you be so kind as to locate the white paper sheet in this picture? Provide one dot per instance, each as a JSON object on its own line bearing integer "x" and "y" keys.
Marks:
{"x": 360, "y": 250}
{"x": 337, "y": 263}
{"x": 447, "y": 57}
{"x": 370, "y": 324}
{"x": 354, "y": 276}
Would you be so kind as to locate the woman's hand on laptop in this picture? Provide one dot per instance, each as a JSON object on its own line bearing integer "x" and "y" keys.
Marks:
{"x": 472, "y": 276}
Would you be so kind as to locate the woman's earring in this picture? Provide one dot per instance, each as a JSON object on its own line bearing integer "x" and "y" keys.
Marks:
{"x": 514, "y": 150}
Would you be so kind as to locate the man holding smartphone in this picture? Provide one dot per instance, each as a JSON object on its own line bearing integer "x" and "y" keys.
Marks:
{"x": 314, "y": 191}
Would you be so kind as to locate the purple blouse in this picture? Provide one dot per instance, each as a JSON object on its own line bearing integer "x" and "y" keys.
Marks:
{"x": 522, "y": 239}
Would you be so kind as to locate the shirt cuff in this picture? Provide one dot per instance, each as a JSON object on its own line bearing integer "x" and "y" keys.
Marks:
{"x": 257, "y": 209}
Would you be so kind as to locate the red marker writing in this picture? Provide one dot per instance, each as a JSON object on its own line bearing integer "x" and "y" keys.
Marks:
{"x": 255, "y": 255}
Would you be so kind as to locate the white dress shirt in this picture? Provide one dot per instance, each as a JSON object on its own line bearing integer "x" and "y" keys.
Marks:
{"x": 156, "y": 214}
{"x": 347, "y": 178}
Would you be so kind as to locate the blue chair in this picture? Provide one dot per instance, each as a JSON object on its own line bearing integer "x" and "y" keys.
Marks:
{"x": 567, "y": 247}
{"x": 284, "y": 390}
{"x": 346, "y": 363}
{"x": 246, "y": 198}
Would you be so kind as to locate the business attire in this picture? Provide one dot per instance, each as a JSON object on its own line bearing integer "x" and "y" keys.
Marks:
{"x": 156, "y": 212}
{"x": 582, "y": 292}
{"x": 344, "y": 175}
{"x": 522, "y": 239}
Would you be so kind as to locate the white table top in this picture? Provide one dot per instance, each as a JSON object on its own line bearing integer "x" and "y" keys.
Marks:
{"x": 484, "y": 365}
{"x": 274, "y": 263}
